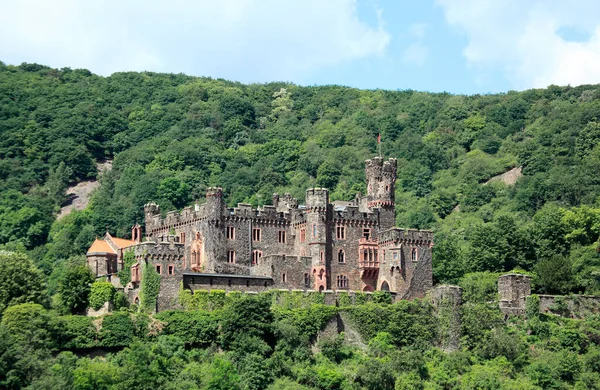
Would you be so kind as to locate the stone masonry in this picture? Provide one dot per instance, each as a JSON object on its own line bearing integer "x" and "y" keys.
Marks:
{"x": 318, "y": 246}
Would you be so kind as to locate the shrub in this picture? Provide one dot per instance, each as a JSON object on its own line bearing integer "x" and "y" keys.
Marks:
{"x": 77, "y": 332}
{"x": 117, "y": 330}
{"x": 101, "y": 292}
{"x": 195, "y": 328}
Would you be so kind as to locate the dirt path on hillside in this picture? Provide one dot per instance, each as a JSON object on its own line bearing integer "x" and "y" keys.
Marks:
{"x": 78, "y": 196}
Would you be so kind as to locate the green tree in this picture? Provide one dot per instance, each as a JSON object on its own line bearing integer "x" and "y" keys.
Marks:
{"x": 74, "y": 288}
{"x": 20, "y": 281}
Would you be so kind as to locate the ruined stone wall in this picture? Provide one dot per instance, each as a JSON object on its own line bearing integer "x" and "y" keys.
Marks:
{"x": 575, "y": 306}
{"x": 513, "y": 289}
{"x": 446, "y": 301}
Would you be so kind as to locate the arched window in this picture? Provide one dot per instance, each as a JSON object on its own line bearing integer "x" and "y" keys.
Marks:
{"x": 385, "y": 286}
{"x": 341, "y": 256}
{"x": 413, "y": 254}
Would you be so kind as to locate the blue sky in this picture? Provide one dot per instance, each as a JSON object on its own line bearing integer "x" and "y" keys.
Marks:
{"x": 459, "y": 46}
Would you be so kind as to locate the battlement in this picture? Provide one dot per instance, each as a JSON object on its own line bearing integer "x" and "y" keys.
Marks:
{"x": 284, "y": 203}
{"x": 317, "y": 198}
{"x": 407, "y": 236}
{"x": 214, "y": 192}
{"x": 245, "y": 210}
{"x": 378, "y": 165}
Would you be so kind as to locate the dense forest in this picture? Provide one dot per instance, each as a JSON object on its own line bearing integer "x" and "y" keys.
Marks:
{"x": 171, "y": 136}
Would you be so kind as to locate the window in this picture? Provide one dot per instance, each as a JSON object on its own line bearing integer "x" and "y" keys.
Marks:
{"x": 413, "y": 254}
{"x": 314, "y": 230}
{"x": 231, "y": 257}
{"x": 342, "y": 281}
{"x": 182, "y": 237}
{"x": 302, "y": 235}
{"x": 158, "y": 269}
{"x": 365, "y": 255}
{"x": 340, "y": 232}
{"x": 230, "y": 233}
{"x": 171, "y": 270}
{"x": 255, "y": 234}
{"x": 395, "y": 255}
{"x": 256, "y": 255}
{"x": 341, "y": 256}
{"x": 282, "y": 278}
{"x": 306, "y": 280}
{"x": 367, "y": 233}
{"x": 322, "y": 257}
{"x": 282, "y": 236}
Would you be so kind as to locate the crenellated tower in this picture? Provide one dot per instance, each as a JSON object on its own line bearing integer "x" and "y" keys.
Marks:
{"x": 381, "y": 187}
{"x": 317, "y": 207}
{"x": 151, "y": 216}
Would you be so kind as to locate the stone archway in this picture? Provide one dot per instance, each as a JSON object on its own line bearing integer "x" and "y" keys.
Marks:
{"x": 385, "y": 286}
{"x": 368, "y": 288}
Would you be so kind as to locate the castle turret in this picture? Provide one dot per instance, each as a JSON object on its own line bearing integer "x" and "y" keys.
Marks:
{"x": 136, "y": 233}
{"x": 152, "y": 216}
{"x": 381, "y": 187}
{"x": 317, "y": 207}
{"x": 215, "y": 205}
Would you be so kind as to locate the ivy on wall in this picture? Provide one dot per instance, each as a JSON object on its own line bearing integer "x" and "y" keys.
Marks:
{"x": 101, "y": 292}
{"x": 149, "y": 288}
{"x": 125, "y": 273}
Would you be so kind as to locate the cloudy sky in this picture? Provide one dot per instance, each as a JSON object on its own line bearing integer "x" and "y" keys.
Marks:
{"x": 459, "y": 46}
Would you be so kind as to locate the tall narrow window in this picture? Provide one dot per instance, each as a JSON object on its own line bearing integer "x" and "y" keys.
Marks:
{"x": 413, "y": 254}
{"x": 158, "y": 268}
{"x": 302, "y": 235}
{"x": 230, "y": 233}
{"x": 256, "y": 255}
{"x": 182, "y": 237}
{"x": 306, "y": 280}
{"x": 255, "y": 234}
{"x": 322, "y": 257}
{"x": 171, "y": 270}
{"x": 283, "y": 278}
{"x": 340, "y": 232}
{"x": 231, "y": 257}
{"x": 314, "y": 230}
{"x": 341, "y": 256}
{"x": 282, "y": 236}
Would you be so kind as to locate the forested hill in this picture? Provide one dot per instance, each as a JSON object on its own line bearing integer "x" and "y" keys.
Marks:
{"x": 171, "y": 136}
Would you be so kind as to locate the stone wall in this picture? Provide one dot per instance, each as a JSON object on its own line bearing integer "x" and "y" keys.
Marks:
{"x": 575, "y": 306}
{"x": 446, "y": 301}
{"x": 513, "y": 289}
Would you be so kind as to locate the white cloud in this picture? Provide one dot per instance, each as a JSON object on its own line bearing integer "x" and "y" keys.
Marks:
{"x": 416, "y": 53}
{"x": 247, "y": 40}
{"x": 522, "y": 38}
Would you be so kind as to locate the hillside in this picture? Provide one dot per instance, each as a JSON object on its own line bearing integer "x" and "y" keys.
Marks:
{"x": 171, "y": 136}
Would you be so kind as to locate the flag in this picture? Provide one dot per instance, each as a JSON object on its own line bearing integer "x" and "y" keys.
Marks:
{"x": 378, "y": 138}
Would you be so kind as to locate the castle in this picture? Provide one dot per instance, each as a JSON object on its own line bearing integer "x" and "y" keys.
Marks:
{"x": 317, "y": 246}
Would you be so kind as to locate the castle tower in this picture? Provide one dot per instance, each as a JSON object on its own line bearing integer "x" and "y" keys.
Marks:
{"x": 381, "y": 186}
{"x": 317, "y": 207}
{"x": 215, "y": 205}
{"x": 151, "y": 215}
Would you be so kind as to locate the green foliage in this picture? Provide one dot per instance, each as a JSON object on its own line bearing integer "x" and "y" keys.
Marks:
{"x": 149, "y": 288}
{"x": 118, "y": 330}
{"x": 194, "y": 328}
{"x": 479, "y": 287}
{"x": 532, "y": 306}
{"x": 20, "y": 281}
{"x": 77, "y": 332}
{"x": 75, "y": 287}
{"x": 125, "y": 273}
{"x": 100, "y": 293}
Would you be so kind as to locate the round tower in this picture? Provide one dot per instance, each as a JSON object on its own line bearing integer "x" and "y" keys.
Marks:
{"x": 381, "y": 187}
{"x": 151, "y": 216}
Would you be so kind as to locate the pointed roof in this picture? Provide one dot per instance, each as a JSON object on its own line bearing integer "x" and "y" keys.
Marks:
{"x": 118, "y": 243}
{"x": 100, "y": 246}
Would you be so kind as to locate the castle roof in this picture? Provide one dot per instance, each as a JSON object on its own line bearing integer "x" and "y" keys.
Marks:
{"x": 100, "y": 246}
{"x": 118, "y": 243}
{"x": 122, "y": 242}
